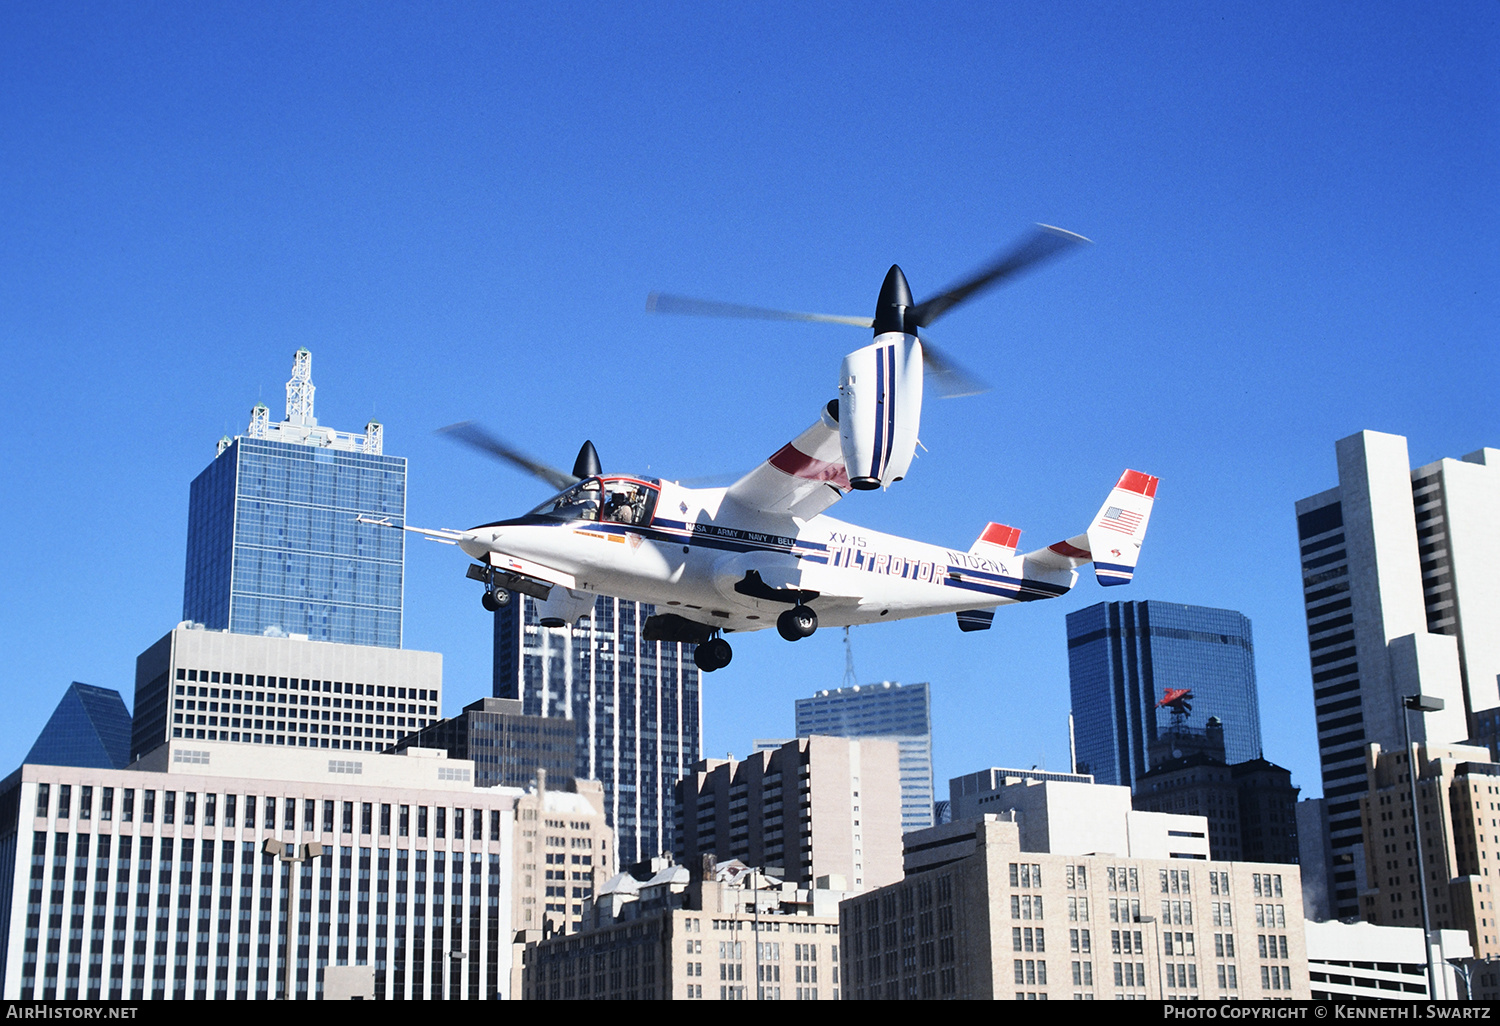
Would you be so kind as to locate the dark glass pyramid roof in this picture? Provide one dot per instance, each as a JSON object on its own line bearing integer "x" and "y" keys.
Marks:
{"x": 90, "y": 727}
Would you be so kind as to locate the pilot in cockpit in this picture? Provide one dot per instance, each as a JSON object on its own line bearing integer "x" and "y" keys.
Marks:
{"x": 622, "y": 506}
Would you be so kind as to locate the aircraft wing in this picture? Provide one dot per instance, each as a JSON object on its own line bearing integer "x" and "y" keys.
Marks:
{"x": 802, "y": 478}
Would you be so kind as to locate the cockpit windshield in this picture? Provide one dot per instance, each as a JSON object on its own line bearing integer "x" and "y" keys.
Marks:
{"x": 619, "y": 500}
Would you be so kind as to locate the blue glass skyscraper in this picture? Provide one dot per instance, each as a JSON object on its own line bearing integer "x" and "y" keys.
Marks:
{"x": 273, "y": 546}
{"x": 1122, "y": 656}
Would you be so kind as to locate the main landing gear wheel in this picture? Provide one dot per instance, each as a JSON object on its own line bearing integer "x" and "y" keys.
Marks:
{"x": 797, "y": 623}
{"x": 494, "y": 601}
{"x": 712, "y": 655}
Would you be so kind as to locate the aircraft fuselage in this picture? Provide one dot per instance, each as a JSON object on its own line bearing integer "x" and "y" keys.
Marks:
{"x": 700, "y": 545}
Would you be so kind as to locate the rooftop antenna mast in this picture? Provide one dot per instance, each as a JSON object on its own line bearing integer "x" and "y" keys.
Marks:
{"x": 299, "y": 391}
{"x": 850, "y": 679}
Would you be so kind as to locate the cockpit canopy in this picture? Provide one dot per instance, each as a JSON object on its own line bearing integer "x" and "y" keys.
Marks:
{"x": 619, "y": 500}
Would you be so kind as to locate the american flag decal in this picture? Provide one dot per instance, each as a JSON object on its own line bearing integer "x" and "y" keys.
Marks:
{"x": 1122, "y": 520}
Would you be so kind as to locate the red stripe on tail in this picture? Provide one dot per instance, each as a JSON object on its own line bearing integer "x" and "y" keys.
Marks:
{"x": 1062, "y": 548}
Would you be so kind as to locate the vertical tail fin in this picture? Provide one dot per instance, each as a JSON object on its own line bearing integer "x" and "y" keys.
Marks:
{"x": 1119, "y": 528}
{"x": 996, "y": 540}
{"x": 1113, "y": 540}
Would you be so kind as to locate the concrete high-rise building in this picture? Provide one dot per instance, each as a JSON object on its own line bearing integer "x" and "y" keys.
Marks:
{"x": 707, "y": 932}
{"x": 207, "y": 871}
{"x": 1458, "y": 790}
{"x": 901, "y": 713}
{"x": 1069, "y": 813}
{"x": 1001, "y": 917}
{"x": 1363, "y": 962}
{"x": 1123, "y": 656}
{"x": 1251, "y": 807}
{"x": 564, "y": 851}
{"x": 634, "y": 706}
{"x": 273, "y": 544}
{"x": 204, "y": 685}
{"x": 974, "y": 794}
{"x": 1401, "y": 585}
{"x": 818, "y": 808}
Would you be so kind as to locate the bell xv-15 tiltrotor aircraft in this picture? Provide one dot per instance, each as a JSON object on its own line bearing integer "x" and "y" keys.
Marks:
{"x": 763, "y": 551}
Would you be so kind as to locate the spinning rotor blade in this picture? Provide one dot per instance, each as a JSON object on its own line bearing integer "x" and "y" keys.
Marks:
{"x": 476, "y": 437}
{"x": 1040, "y": 245}
{"x": 950, "y": 380}
{"x": 661, "y": 302}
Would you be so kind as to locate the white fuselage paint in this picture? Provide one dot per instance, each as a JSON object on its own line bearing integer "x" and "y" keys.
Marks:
{"x": 700, "y": 544}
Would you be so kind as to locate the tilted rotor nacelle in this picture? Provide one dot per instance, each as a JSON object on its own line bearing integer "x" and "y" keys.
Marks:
{"x": 880, "y": 393}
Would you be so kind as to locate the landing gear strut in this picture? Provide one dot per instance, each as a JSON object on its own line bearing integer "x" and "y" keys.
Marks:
{"x": 797, "y": 623}
{"x": 712, "y": 655}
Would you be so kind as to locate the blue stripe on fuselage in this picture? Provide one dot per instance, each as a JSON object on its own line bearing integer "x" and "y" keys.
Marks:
{"x": 677, "y": 532}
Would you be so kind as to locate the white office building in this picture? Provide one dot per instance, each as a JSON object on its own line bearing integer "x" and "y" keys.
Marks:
{"x": 279, "y": 692}
{"x": 208, "y": 871}
{"x": 1401, "y": 584}
{"x": 1069, "y": 814}
{"x": 1365, "y": 962}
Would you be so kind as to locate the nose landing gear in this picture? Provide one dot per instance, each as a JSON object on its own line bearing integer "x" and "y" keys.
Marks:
{"x": 797, "y": 623}
{"x": 495, "y": 600}
{"x": 713, "y": 654}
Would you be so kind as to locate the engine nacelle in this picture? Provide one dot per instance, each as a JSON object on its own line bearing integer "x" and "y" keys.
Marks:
{"x": 562, "y": 608}
{"x": 880, "y": 409}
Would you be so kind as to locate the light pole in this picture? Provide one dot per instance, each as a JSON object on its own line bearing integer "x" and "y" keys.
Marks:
{"x": 455, "y": 974}
{"x": 1462, "y": 970}
{"x": 1423, "y": 704}
{"x": 1156, "y": 947}
{"x": 292, "y": 854}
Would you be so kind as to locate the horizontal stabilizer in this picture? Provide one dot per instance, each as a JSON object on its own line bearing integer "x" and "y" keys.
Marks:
{"x": 975, "y": 619}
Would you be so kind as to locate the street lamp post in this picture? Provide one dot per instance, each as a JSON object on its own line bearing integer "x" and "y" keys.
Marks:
{"x": 1463, "y": 970}
{"x": 1161, "y": 990}
{"x": 1423, "y": 704}
{"x": 291, "y": 854}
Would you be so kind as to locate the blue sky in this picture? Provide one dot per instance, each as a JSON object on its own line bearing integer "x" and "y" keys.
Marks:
{"x": 460, "y": 209}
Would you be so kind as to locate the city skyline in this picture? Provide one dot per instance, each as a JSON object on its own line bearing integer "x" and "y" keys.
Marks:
{"x": 462, "y": 219}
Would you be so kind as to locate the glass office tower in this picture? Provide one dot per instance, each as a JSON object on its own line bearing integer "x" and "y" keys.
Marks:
{"x": 1122, "y": 656}
{"x": 887, "y": 710}
{"x": 273, "y": 546}
{"x": 634, "y": 705}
